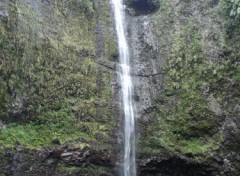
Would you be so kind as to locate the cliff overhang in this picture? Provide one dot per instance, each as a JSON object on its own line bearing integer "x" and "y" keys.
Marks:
{"x": 143, "y": 7}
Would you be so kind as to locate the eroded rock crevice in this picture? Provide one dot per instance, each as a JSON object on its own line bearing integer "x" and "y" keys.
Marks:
{"x": 143, "y": 7}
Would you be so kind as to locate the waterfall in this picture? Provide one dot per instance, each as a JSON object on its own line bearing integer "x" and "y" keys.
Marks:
{"x": 129, "y": 165}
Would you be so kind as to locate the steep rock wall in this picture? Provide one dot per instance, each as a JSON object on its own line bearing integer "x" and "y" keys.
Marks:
{"x": 59, "y": 113}
{"x": 186, "y": 74}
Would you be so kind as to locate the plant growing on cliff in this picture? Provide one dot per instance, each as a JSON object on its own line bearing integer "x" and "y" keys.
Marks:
{"x": 48, "y": 64}
{"x": 234, "y": 7}
{"x": 231, "y": 16}
{"x": 185, "y": 116}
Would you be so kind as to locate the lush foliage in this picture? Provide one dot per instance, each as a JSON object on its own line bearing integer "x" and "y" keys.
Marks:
{"x": 49, "y": 75}
{"x": 44, "y": 135}
{"x": 234, "y": 7}
{"x": 91, "y": 169}
{"x": 193, "y": 103}
{"x": 231, "y": 14}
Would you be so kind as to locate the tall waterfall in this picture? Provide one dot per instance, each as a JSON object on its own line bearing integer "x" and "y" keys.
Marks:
{"x": 126, "y": 88}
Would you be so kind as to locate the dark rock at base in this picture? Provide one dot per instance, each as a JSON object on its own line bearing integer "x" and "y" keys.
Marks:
{"x": 175, "y": 167}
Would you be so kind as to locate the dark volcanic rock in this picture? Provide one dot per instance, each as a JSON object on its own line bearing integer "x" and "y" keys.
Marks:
{"x": 143, "y": 7}
{"x": 175, "y": 167}
{"x": 56, "y": 161}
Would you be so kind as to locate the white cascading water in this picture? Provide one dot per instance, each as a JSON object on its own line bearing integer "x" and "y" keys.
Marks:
{"x": 129, "y": 165}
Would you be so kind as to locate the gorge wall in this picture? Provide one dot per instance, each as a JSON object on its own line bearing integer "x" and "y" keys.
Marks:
{"x": 59, "y": 113}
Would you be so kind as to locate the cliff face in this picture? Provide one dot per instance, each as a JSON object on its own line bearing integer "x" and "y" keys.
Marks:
{"x": 59, "y": 113}
{"x": 185, "y": 62}
{"x": 56, "y": 100}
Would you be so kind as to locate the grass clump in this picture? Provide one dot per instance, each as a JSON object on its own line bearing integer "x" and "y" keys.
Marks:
{"x": 86, "y": 169}
{"x": 36, "y": 136}
{"x": 61, "y": 125}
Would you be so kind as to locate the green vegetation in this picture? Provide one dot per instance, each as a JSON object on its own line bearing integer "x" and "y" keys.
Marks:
{"x": 233, "y": 8}
{"x": 191, "y": 107}
{"x": 48, "y": 75}
{"x": 43, "y": 135}
{"x": 86, "y": 169}
{"x": 231, "y": 16}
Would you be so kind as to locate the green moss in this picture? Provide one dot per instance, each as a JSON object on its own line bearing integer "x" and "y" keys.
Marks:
{"x": 84, "y": 169}
{"x": 199, "y": 146}
{"x": 162, "y": 17}
{"x": 187, "y": 119}
{"x": 54, "y": 67}
{"x": 69, "y": 169}
{"x": 38, "y": 136}
{"x": 48, "y": 62}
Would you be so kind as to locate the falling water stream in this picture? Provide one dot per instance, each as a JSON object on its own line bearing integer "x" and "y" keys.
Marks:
{"x": 129, "y": 165}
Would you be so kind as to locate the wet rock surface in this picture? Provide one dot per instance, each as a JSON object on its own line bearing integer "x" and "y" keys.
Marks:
{"x": 69, "y": 159}
{"x": 151, "y": 38}
{"x": 152, "y": 29}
